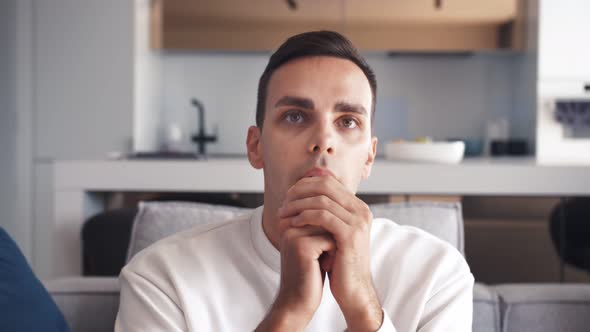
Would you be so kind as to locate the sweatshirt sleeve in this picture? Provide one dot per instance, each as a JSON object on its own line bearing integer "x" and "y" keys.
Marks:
{"x": 144, "y": 306}
{"x": 451, "y": 307}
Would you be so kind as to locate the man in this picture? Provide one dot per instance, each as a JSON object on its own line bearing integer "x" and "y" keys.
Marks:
{"x": 312, "y": 258}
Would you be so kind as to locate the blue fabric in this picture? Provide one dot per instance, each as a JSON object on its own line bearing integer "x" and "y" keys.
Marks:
{"x": 25, "y": 305}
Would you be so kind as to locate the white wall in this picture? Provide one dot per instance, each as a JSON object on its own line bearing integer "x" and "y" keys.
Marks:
{"x": 66, "y": 92}
{"x": 83, "y": 78}
{"x": 564, "y": 51}
{"x": 525, "y": 102}
{"x": 8, "y": 126}
{"x": 147, "y": 83}
{"x": 437, "y": 96}
{"x": 83, "y": 100}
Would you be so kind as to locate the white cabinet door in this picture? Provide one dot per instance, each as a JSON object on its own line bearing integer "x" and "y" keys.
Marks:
{"x": 564, "y": 40}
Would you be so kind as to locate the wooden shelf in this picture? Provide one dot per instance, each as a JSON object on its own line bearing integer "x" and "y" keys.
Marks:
{"x": 372, "y": 25}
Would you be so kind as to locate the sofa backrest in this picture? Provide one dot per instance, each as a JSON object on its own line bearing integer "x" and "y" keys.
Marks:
{"x": 157, "y": 220}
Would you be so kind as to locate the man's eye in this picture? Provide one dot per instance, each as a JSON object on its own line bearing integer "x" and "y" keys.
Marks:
{"x": 349, "y": 123}
{"x": 294, "y": 117}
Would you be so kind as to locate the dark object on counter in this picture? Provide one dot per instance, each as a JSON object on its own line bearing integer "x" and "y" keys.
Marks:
{"x": 573, "y": 113}
{"x": 517, "y": 147}
{"x": 498, "y": 148}
{"x": 473, "y": 146}
{"x": 511, "y": 147}
{"x": 201, "y": 138}
{"x": 163, "y": 155}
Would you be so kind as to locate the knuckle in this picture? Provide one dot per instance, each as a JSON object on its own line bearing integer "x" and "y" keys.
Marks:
{"x": 323, "y": 214}
{"x": 290, "y": 192}
{"x": 289, "y": 234}
{"x": 363, "y": 228}
{"x": 324, "y": 200}
{"x": 366, "y": 212}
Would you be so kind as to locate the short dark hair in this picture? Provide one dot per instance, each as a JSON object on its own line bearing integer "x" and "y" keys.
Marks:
{"x": 307, "y": 44}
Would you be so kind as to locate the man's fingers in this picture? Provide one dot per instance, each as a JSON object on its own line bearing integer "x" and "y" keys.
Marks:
{"x": 322, "y": 185}
{"x": 291, "y": 232}
{"x": 323, "y": 219}
{"x": 307, "y": 241}
{"x": 322, "y": 202}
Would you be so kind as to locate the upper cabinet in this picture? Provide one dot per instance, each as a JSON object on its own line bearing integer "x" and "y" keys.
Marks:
{"x": 564, "y": 31}
{"x": 373, "y": 25}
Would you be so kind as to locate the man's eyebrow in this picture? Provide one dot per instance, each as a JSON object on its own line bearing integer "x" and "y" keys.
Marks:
{"x": 305, "y": 103}
{"x": 345, "y": 107}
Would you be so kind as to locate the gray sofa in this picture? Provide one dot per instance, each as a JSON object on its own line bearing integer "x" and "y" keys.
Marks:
{"x": 91, "y": 303}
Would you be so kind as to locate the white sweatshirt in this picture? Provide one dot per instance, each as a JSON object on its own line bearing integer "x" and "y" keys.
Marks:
{"x": 225, "y": 276}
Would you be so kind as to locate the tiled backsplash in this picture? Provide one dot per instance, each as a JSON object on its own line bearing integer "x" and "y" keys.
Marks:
{"x": 437, "y": 96}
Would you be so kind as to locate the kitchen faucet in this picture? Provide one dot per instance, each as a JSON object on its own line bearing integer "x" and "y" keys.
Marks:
{"x": 201, "y": 138}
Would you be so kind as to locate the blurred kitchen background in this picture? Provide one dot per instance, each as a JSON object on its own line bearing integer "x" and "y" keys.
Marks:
{"x": 116, "y": 81}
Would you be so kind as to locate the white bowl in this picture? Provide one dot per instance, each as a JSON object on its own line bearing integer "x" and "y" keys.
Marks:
{"x": 435, "y": 152}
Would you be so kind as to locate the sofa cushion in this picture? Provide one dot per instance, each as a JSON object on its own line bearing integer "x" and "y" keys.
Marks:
{"x": 441, "y": 219}
{"x": 156, "y": 220}
{"x": 486, "y": 310}
{"x": 545, "y": 307}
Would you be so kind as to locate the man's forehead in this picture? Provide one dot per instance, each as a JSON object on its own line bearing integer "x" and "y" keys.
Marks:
{"x": 306, "y": 77}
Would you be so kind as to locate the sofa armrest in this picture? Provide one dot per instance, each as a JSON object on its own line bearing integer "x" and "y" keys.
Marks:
{"x": 545, "y": 307}
{"x": 87, "y": 303}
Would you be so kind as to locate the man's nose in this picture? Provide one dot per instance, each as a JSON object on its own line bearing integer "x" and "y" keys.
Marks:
{"x": 322, "y": 139}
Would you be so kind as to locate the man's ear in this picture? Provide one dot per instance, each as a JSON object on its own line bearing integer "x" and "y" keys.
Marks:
{"x": 253, "y": 144}
{"x": 370, "y": 158}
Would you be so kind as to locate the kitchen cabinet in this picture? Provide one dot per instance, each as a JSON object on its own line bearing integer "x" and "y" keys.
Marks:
{"x": 373, "y": 25}
{"x": 564, "y": 31}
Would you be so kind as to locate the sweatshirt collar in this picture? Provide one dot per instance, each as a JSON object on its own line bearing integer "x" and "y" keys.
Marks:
{"x": 266, "y": 251}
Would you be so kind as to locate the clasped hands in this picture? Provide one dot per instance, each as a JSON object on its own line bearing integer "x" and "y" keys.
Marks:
{"x": 325, "y": 230}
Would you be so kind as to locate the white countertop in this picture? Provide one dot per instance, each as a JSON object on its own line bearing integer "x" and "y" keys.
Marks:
{"x": 474, "y": 176}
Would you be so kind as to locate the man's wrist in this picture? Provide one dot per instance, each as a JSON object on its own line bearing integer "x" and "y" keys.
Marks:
{"x": 283, "y": 319}
{"x": 368, "y": 320}
{"x": 364, "y": 316}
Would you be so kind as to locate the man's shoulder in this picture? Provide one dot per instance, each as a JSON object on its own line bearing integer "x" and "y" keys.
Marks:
{"x": 386, "y": 231}
{"x": 410, "y": 243}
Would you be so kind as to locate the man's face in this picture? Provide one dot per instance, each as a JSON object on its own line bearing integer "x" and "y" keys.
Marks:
{"x": 318, "y": 113}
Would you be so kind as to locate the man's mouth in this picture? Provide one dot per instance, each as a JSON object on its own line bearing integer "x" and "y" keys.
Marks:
{"x": 318, "y": 171}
